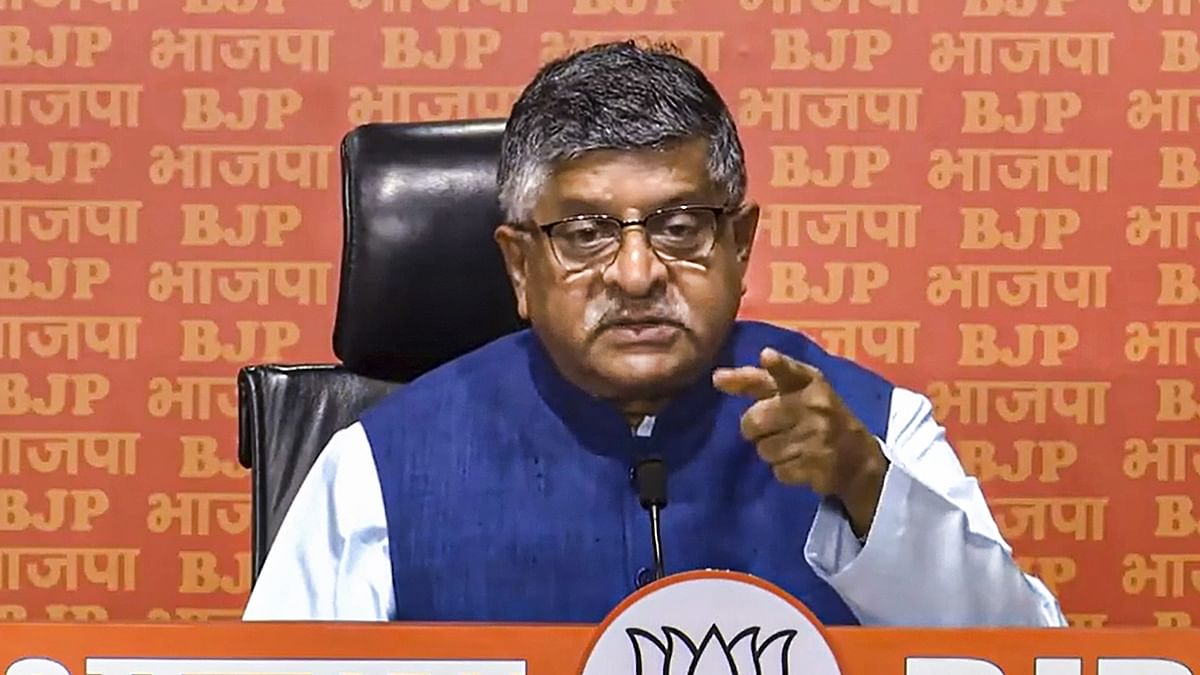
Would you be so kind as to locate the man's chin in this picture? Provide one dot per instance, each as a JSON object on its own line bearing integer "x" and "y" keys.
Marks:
{"x": 642, "y": 375}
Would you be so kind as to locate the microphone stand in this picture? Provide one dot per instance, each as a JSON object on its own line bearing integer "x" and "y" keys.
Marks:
{"x": 651, "y": 478}
{"x": 656, "y": 541}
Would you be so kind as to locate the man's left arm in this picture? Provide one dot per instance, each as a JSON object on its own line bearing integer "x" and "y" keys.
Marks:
{"x": 934, "y": 555}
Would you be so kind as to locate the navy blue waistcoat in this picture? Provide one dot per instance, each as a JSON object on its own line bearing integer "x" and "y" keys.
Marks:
{"x": 508, "y": 493}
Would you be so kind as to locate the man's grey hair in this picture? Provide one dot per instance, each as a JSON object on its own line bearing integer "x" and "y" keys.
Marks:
{"x": 616, "y": 96}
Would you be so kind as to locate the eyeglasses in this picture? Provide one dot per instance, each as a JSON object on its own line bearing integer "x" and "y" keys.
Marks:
{"x": 683, "y": 233}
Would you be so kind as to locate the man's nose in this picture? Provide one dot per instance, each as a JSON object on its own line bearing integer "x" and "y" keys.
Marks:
{"x": 637, "y": 269}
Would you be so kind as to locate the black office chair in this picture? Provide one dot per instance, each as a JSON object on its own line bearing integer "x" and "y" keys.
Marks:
{"x": 422, "y": 282}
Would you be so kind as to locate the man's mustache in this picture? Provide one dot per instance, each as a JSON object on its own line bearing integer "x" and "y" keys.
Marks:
{"x": 610, "y": 312}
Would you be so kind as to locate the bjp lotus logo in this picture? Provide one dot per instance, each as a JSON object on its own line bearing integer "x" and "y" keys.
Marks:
{"x": 746, "y": 654}
{"x": 710, "y": 623}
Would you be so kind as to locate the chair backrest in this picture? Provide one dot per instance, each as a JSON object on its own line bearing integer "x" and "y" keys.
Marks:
{"x": 287, "y": 415}
{"x": 422, "y": 282}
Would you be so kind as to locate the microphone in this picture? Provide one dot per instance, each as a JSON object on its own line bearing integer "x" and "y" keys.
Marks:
{"x": 650, "y": 475}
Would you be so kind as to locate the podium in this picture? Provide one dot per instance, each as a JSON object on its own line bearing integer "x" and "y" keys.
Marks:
{"x": 689, "y": 620}
{"x": 341, "y": 649}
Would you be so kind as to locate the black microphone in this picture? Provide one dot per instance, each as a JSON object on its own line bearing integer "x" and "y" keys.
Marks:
{"x": 650, "y": 475}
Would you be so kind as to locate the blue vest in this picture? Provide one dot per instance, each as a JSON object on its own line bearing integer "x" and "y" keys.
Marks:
{"x": 508, "y": 490}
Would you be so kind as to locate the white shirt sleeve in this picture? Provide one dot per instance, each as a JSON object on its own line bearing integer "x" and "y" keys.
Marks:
{"x": 329, "y": 560}
{"x": 934, "y": 555}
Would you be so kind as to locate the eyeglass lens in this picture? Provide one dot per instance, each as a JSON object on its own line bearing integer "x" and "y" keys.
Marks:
{"x": 675, "y": 235}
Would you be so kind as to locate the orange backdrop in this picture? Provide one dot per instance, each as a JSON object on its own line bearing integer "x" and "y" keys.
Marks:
{"x": 992, "y": 201}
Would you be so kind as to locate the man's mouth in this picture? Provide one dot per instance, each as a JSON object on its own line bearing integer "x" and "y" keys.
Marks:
{"x": 643, "y": 331}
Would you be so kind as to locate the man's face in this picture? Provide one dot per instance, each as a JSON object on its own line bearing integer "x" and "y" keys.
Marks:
{"x": 639, "y": 328}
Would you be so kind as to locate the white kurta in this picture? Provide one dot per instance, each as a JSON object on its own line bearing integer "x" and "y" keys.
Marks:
{"x": 934, "y": 555}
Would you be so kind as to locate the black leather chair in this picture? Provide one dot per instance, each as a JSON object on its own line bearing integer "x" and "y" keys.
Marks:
{"x": 422, "y": 282}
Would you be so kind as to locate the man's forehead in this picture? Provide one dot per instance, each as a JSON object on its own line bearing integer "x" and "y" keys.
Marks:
{"x": 640, "y": 176}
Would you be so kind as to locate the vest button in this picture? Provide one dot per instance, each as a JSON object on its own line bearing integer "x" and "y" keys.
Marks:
{"x": 644, "y": 576}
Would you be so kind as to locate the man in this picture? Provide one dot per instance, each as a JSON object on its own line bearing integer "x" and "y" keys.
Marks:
{"x": 497, "y": 487}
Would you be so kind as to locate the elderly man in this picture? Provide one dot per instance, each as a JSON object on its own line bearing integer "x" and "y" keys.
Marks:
{"x": 497, "y": 487}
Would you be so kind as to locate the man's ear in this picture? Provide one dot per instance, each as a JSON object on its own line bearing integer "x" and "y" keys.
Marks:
{"x": 513, "y": 243}
{"x": 745, "y": 224}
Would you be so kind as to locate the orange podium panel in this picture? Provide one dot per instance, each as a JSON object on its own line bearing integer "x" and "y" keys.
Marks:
{"x": 399, "y": 649}
{"x": 698, "y": 623}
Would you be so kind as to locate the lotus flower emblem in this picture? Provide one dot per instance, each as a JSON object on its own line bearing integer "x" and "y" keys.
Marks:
{"x": 748, "y": 653}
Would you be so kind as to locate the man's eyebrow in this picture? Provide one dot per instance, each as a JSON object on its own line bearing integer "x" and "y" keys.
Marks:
{"x": 579, "y": 206}
{"x": 583, "y": 207}
{"x": 688, "y": 197}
